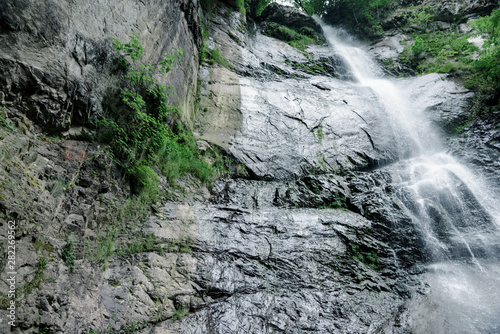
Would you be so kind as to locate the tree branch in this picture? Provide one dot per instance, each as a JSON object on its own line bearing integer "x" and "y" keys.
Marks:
{"x": 299, "y": 2}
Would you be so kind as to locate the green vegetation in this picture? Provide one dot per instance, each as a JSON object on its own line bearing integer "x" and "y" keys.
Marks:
{"x": 145, "y": 131}
{"x": 260, "y": 6}
{"x": 299, "y": 40}
{"x": 486, "y": 76}
{"x": 451, "y": 52}
{"x": 319, "y": 133}
{"x": 68, "y": 254}
{"x": 213, "y": 57}
{"x": 419, "y": 15}
{"x": 151, "y": 243}
{"x": 37, "y": 279}
{"x": 179, "y": 314}
{"x": 312, "y": 7}
{"x": 241, "y": 5}
{"x": 439, "y": 51}
{"x": 4, "y": 121}
{"x": 368, "y": 258}
{"x": 365, "y": 16}
{"x": 312, "y": 66}
{"x": 338, "y": 203}
{"x": 208, "y": 6}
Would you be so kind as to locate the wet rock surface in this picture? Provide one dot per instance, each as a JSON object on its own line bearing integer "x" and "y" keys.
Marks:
{"x": 288, "y": 16}
{"x": 256, "y": 263}
{"x": 56, "y": 65}
{"x": 479, "y": 145}
{"x": 272, "y": 269}
{"x": 320, "y": 236}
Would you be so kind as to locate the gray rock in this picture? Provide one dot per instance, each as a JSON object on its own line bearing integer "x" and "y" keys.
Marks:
{"x": 288, "y": 16}
{"x": 57, "y": 65}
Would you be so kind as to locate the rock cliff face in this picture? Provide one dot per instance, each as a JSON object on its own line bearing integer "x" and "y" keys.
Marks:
{"x": 57, "y": 71}
{"x": 57, "y": 59}
{"x": 314, "y": 237}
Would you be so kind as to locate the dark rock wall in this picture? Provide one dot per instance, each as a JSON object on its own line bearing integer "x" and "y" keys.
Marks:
{"x": 314, "y": 239}
{"x": 56, "y": 57}
{"x": 56, "y": 73}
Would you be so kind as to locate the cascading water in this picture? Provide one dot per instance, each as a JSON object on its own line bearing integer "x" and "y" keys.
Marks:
{"x": 456, "y": 212}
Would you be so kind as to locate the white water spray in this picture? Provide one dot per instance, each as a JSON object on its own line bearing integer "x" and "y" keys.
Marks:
{"x": 456, "y": 211}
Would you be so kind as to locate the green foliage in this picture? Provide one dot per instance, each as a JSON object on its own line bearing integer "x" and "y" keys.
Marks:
{"x": 208, "y": 5}
{"x": 4, "y": 122}
{"x": 213, "y": 57}
{"x": 105, "y": 246}
{"x": 180, "y": 156}
{"x": 365, "y": 16}
{"x": 451, "y": 52}
{"x": 319, "y": 133}
{"x": 338, "y": 203}
{"x": 439, "y": 51}
{"x": 487, "y": 76}
{"x": 296, "y": 39}
{"x": 68, "y": 254}
{"x": 179, "y": 314}
{"x": 139, "y": 133}
{"x": 261, "y": 5}
{"x": 4, "y": 300}
{"x": 418, "y": 46}
{"x": 369, "y": 258}
{"x": 37, "y": 279}
{"x": 145, "y": 244}
{"x": 240, "y": 4}
{"x": 147, "y": 182}
{"x": 420, "y": 15}
{"x": 134, "y": 326}
{"x": 44, "y": 330}
{"x": 312, "y": 7}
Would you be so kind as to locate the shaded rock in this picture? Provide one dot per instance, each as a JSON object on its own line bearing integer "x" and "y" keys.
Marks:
{"x": 56, "y": 66}
{"x": 258, "y": 260}
{"x": 289, "y": 17}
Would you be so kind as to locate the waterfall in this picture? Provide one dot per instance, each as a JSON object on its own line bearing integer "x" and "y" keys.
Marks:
{"x": 456, "y": 211}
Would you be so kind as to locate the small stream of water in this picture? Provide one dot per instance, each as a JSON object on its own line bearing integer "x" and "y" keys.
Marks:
{"x": 457, "y": 213}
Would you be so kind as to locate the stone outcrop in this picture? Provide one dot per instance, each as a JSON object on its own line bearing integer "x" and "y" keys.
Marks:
{"x": 56, "y": 57}
{"x": 57, "y": 71}
{"x": 288, "y": 16}
{"x": 443, "y": 12}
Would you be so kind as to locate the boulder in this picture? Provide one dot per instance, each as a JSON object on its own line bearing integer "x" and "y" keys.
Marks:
{"x": 289, "y": 17}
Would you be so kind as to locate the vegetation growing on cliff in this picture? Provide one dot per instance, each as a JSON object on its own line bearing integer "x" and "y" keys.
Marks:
{"x": 450, "y": 51}
{"x": 298, "y": 39}
{"x": 145, "y": 131}
{"x": 363, "y": 15}
{"x": 433, "y": 48}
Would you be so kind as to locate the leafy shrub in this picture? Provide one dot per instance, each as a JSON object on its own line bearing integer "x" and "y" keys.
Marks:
{"x": 179, "y": 314}
{"x": 146, "y": 182}
{"x": 451, "y": 52}
{"x": 292, "y": 37}
{"x": 420, "y": 15}
{"x": 213, "y": 57}
{"x": 139, "y": 133}
{"x": 365, "y": 16}
{"x": 442, "y": 51}
{"x": 240, "y": 4}
{"x": 487, "y": 77}
{"x": 261, "y": 5}
{"x": 68, "y": 255}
